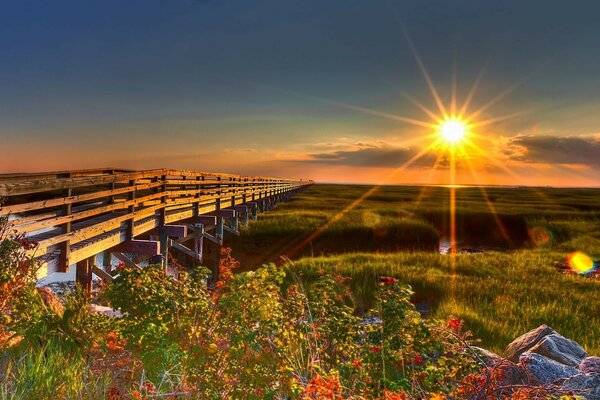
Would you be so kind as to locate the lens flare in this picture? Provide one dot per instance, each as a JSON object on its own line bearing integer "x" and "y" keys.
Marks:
{"x": 580, "y": 262}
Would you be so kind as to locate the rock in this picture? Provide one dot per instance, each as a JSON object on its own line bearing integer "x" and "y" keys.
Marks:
{"x": 51, "y": 300}
{"x": 560, "y": 349}
{"x": 504, "y": 372}
{"x": 96, "y": 309}
{"x": 590, "y": 365}
{"x": 545, "y": 370}
{"x": 526, "y": 341}
{"x": 586, "y": 385}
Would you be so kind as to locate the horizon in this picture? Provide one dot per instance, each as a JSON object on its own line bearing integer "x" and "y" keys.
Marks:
{"x": 356, "y": 94}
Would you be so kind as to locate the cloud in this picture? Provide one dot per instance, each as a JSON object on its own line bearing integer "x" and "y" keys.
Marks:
{"x": 554, "y": 149}
{"x": 375, "y": 156}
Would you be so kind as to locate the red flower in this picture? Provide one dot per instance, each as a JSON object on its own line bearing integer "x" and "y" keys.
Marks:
{"x": 418, "y": 360}
{"x": 453, "y": 323}
{"x": 387, "y": 280}
{"x": 375, "y": 349}
{"x": 356, "y": 364}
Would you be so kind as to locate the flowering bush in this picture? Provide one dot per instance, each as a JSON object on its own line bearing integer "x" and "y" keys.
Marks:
{"x": 249, "y": 335}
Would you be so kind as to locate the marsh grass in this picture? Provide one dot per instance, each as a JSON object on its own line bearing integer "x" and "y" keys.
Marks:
{"x": 50, "y": 372}
{"x": 500, "y": 295}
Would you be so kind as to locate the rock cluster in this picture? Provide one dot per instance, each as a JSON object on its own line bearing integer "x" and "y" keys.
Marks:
{"x": 543, "y": 357}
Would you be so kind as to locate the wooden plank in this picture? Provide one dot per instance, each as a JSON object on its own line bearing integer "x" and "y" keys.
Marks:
{"x": 97, "y": 229}
{"x": 38, "y": 205}
{"x": 146, "y": 247}
{"x": 174, "y": 230}
{"x": 71, "y": 217}
{"x": 13, "y": 188}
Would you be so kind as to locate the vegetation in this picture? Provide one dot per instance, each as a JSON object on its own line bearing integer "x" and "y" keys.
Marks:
{"x": 341, "y": 324}
{"x": 249, "y": 337}
{"x": 501, "y": 293}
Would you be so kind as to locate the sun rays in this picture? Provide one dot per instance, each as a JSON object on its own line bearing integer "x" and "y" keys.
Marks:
{"x": 456, "y": 134}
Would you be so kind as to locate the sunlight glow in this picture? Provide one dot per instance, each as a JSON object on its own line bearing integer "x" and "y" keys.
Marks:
{"x": 453, "y": 130}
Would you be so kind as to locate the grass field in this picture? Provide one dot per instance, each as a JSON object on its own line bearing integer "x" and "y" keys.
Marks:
{"x": 395, "y": 230}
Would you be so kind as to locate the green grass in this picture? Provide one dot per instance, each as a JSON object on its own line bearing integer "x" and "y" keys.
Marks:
{"x": 499, "y": 295}
{"x": 394, "y": 231}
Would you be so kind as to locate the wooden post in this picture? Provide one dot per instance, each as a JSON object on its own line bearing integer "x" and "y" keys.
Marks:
{"x": 83, "y": 273}
{"x": 107, "y": 261}
{"x": 164, "y": 248}
{"x": 65, "y": 247}
{"x": 254, "y": 211}
{"x": 131, "y": 210}
{"x": 199, "y": 241}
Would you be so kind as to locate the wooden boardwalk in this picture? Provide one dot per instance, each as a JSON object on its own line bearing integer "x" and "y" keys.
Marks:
{"x": 75, "y": 215}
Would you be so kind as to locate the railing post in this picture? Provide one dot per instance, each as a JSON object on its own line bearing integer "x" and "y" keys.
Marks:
{"x": 199, "y": 241}
{"x": 164, "y": 244}
{"x": 219, "y": 234}
{"x": 131, "y": 211}
{"x": 65, "y": 247}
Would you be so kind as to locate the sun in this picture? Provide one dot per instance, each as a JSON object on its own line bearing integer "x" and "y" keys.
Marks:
{"x": 452, "y": 130}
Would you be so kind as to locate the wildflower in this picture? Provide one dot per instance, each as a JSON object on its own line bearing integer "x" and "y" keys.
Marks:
{"x": 418, "y": 360}
{"x": 387, "y": 395}
{"x": 453, "y": 323}
{"x": 387, "y": 280}
{"x": 375, "y": 349}
{"x": 356, "y": 364}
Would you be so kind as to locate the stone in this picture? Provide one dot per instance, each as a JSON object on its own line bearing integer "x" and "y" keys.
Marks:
{"x": 590, "y": 365}
{"x": 586, "y": 385}
{"x": 545, "y": 370}
{"x": 526, "y": 341}
{"x": 96, "y": 309}
{"x": 560, "y": 349}
{"x": 504, "y": 372}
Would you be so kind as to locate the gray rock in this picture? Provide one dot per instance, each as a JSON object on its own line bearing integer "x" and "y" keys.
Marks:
{"x": 590, "y": 365}
{"x": 504, "y": 372}
{"x": 545, "y": 370}
{"x": 526, "y": 341}
{"x": 560, "y": 349}
{"x": 586, "y": 385}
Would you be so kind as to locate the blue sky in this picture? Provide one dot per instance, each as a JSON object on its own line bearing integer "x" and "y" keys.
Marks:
{"x": 250, "y": 87}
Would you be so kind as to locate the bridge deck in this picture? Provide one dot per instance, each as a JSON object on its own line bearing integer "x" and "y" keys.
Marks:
{"x": 74, "y": 215}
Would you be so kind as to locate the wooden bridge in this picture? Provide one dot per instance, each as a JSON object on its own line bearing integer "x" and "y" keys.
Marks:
{"x": 74, "y": 216}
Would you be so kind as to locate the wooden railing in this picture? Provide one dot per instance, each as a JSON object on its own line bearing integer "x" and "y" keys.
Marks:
{"x": 74, "y": 215}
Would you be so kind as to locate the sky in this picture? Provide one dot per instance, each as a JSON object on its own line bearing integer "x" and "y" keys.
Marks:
{"x": 315, "y": 89}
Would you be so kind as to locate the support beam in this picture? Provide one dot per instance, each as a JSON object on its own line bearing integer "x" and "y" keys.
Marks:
{"x": 213, "y": 239}
{"x": 199, "y": 241}
{"x": 83, "y": 274}
{"x": 225, "y": 213}
{"x": 177, "y": 231}
{"x": 243, "y": 213}
{"x": 102, "y": 274}
{"x": 145, "y": 247}
{"x": 219, "y": 230}
{"x": 184, "y": 250}
{"x": 206, "y": 220}
{"x": 230, "y": 229}
{"x": 254, "y": 210}
{"x": 125, "y": 260}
